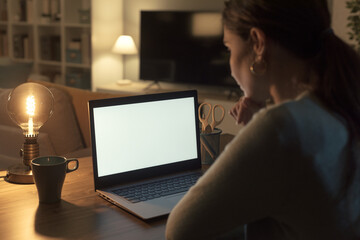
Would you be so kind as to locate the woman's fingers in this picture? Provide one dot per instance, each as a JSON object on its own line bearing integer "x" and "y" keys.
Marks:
{"x": 244, "y": 109}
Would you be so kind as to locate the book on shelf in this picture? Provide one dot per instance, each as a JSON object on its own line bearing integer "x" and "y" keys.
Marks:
{"x": 17, "y": 45}
{"x": 3, "y": 10}
{"x": 50, "y": 48}
{"x": 21, "y": 46}
{"x": 56, "y": 47}
{"x": 45, "y": 11}
{"x": 23, "y": 11}
{"x": 19, "y": 9}
{"x": 73, "y": 51}
{"x": 74, "y": 44}
{"x": 45, "y": 48}
{"x": 55, "y": 10}
{"x": 29, "y": 10}
{"x": 4, "y": 46}
{"x": 50, "y": 11}
{"x": 26, "y": 47}
{"x": 78, "y": 49}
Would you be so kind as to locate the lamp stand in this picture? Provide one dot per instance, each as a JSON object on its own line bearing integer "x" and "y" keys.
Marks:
{"x": 123, "y": 82}
{"x": 22, "y": 173}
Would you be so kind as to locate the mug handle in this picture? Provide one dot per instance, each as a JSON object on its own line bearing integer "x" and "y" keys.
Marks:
{"x": 74, "y": 168}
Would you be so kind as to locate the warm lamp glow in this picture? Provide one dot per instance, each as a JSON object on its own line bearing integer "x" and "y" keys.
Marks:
{"x": 29, "y": 105}
{"x": 124, "y": 45}
{"x": 30, "y": 109}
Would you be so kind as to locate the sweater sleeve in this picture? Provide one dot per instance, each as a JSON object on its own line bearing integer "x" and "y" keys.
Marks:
{"x": 249, "y": 181}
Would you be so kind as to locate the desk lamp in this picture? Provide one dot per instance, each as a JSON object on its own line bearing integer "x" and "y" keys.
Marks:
{"x": 124, "y": 45}
{"x": 29, "y": 105}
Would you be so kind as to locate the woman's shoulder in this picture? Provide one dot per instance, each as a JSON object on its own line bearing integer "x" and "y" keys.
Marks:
{"x": 286, "y": 114}
{"x": 305, "y": 109}
{"x": 305, "y": 118}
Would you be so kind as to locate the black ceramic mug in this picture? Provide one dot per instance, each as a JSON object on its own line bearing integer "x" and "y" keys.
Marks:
{"x": 49, "y": 174}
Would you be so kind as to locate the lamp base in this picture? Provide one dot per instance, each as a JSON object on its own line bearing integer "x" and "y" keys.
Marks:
{"x": 19, "y": 174}
{"x": 124, "y": 82}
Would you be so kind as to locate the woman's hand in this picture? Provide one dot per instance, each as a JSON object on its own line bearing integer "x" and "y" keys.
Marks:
{"x": 244, "y": 109}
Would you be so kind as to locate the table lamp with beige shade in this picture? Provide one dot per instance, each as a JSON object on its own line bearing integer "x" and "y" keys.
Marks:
{"x": 124, "y": 45}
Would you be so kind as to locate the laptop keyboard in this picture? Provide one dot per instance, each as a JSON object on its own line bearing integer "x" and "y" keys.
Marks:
{"x": 161, "y": 188}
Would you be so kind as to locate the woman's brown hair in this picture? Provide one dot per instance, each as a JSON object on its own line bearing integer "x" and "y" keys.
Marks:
{"x": 303, "y": 28}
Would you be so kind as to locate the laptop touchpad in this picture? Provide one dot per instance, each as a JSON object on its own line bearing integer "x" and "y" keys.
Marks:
{"x": 174, "y": 199}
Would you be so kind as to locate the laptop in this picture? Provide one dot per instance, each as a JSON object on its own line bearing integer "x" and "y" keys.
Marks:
{"x": 146, "y": 142}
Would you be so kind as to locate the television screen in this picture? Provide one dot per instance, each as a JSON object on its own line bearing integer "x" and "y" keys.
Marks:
{"x": 184, "y": 47}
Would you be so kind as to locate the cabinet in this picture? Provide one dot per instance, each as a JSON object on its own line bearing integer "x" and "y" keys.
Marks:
{"x": 54, "y": 35}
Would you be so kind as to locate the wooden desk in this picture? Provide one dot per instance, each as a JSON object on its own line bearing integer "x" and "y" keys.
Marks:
{"x": 81, "y": 214}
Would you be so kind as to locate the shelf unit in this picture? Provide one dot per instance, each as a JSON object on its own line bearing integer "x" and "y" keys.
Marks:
{"x": 54, "y": 35}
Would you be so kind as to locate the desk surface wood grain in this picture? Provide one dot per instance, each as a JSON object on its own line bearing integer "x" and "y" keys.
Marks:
{"x": 81, "y": 214}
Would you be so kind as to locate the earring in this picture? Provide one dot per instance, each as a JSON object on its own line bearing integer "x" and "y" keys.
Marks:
{"x": 258, "y": 67}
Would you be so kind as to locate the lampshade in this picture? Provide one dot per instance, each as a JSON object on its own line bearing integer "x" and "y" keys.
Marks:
{"x": 124, "y": 45}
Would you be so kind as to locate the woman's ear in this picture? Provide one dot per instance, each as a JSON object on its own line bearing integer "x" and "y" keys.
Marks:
{"x": 259, "y": 41}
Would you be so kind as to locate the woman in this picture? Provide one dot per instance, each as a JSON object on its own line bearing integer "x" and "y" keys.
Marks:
{"x": 293, "y": 171}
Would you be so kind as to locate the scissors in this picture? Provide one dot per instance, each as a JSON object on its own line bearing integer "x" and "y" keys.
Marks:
{"x": 206, "y": 127}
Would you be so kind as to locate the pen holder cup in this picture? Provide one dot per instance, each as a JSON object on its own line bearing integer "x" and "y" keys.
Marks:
{"x": 210, "y": 145}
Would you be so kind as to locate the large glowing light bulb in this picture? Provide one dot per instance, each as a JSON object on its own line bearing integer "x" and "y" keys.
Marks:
{"x": 30, "y": 105}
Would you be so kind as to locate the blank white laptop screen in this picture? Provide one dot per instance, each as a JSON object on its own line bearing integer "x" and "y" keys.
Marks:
{"x": 141, "y": 135}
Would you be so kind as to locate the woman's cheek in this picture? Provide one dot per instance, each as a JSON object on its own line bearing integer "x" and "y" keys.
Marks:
{"x": 235, "y": 72}
{"x": 241, "y": 75}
